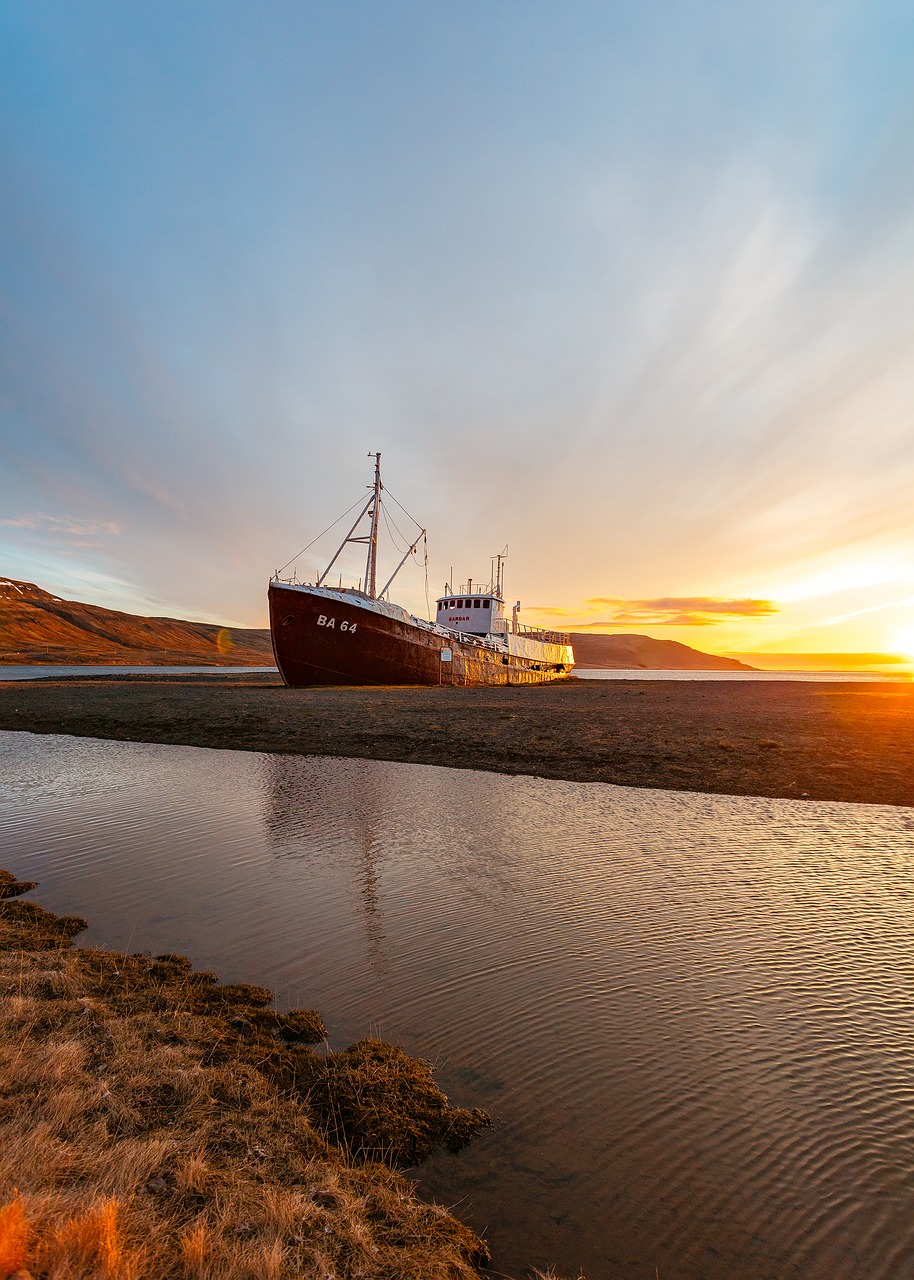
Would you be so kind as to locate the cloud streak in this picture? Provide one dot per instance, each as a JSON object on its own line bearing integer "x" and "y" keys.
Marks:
{"x": 62, "y": 526}
{"x": 575, "y": 270}
{"x": 666, "y": 611}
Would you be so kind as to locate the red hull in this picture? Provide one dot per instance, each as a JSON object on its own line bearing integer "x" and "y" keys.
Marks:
{"x": 321, "y": 640}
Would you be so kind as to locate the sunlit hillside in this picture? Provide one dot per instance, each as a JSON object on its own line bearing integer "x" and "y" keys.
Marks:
{"x": 38, "y": 627}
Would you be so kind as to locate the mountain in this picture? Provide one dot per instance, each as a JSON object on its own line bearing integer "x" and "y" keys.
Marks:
{"x": 631, "y": 651}
{"x": 37, "y": 627}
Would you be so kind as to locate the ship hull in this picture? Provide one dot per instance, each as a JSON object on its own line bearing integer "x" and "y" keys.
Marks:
{"x": 323, "y": 637}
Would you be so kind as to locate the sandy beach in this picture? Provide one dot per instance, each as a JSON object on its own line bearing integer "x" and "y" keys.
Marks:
{"x": 841, "y": 741}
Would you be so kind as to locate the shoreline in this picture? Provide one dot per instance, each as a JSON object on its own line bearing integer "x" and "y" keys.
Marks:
{"x": 840, "y": 741}
{"x": 156, "y": 1123}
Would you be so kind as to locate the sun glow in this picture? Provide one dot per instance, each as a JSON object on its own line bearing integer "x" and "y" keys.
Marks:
{"x": 903, "y": 641}
{"x": 844, "y": 574}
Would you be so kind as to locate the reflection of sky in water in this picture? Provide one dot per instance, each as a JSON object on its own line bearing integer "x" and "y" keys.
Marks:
{"x": 751, "y": 677}
{"x": 691, "y": 1013}
{"x": 814, "y": 677}
{"x": 51, "y": 673}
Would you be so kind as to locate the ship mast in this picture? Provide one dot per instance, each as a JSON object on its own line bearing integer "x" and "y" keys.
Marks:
{"x": 372, "y": 509}
{"x": 371, "y": 565}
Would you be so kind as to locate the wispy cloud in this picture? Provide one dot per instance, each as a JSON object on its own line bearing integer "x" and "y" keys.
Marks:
{"x": 835, "y": 619}
{"x": 63, "y": 526}
{"x": 679, "y": 611}
{"x": 664, "y": 611}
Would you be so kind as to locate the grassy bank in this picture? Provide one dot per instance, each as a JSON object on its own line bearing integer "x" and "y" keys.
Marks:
{"x": 155, "y": 1124}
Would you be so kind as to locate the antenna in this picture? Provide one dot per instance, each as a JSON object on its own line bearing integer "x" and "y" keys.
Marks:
{"x": 500, "y": 559}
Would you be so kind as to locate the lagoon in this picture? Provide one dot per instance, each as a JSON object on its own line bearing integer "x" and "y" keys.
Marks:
{"x": 691, "y": 1014}
{"x": 41, "y": 672}
{"x": 752, "y": 677}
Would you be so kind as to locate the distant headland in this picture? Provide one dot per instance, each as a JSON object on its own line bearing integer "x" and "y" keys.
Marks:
{"x": 597, "y": 650}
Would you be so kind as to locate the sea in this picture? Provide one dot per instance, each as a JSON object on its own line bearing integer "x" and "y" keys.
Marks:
{"x": 691, "y": 1016}
{"x": 634, "y": 673}
{"x": 63, "y": 672}
{"x": 757, "y": 677}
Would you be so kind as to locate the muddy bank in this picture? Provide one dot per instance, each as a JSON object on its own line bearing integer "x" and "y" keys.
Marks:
{"x": 849, "y": 741}
{"x": 157, "y": 1124}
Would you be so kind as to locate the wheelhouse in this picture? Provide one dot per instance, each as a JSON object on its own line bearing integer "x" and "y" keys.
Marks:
{"x": 472, "y": 612}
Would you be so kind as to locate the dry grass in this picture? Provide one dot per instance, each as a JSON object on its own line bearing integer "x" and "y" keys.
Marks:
{"x": 386, "y": 1106}
{"x": 14, "y": 1237}
{"x": 154, "y": 1124}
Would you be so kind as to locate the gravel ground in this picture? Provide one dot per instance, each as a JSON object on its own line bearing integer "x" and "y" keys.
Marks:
{"x": 822, "y": 741}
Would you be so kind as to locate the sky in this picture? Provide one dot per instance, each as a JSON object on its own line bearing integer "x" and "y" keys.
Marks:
{"x": 625, "y": 287}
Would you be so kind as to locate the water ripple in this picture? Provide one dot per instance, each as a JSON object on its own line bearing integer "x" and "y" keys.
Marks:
{"x": 692, "y": 1015}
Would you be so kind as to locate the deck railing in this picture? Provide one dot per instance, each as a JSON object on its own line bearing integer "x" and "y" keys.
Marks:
{"x": 508, "y": 627}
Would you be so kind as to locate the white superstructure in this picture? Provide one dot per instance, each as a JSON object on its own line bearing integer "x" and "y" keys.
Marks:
{"x": 481, "y": 612}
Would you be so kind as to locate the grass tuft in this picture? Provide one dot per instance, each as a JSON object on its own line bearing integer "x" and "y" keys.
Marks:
{"x": 14, "y": 1237}
{"x": 384, "y": 1105}
{"x": 156, "y": 1125}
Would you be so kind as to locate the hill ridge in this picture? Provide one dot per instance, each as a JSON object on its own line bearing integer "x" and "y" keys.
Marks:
{"x": 627, "y": 650}
{"x": 37, "y": 627}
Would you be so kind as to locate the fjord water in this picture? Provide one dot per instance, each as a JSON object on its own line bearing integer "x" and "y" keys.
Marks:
{"x": 750, "y": 677}
{"x": 85, "y": 672}
{"x": 639, "y": 673}
{"x": 692, "y": 1015}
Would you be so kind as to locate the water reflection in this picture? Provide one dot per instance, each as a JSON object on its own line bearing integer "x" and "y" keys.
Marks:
{"x": 692, "y": 1014}
{"x": 47, "y": 672}
{"x": 291, "y": 793}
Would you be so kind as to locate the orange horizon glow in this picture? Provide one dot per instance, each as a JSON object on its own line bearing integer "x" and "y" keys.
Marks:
{"x": 848, "y": 611}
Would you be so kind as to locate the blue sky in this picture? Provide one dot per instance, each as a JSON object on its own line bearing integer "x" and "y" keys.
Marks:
{"x": 625, "y": 286}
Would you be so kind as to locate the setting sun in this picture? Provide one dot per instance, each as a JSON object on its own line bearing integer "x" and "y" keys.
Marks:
{"x": 903, "y": 641}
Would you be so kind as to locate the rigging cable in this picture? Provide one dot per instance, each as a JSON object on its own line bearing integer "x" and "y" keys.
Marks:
{"x": 320, "y": 535}
{"x": 403, "y": 509}
{"x": 390, "y": 532}
{"x": 389, "y": 520}
{"x": 428, "y": 603}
